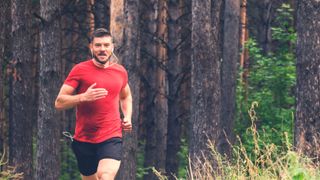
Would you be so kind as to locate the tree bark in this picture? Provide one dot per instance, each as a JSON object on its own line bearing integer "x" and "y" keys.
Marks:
{"x": 205, "y": 80}
{"x": 21, "y": 97}
{"x": 230, "y": 57}
{"x": 174, "y": 126}
{"x": 130, "y": 59}
{"x": 117, "y": 23}
{"x": 148, "y": 67}
{"x": 179, "y": 39}
{"x": 261, "y": 15}
{"x": 307, "y": 120}
{"x": 91, "y": 17}
{"x": 48, "y": 144}
{"x": 4, "y": 44}
{"x": 161, "y": 101}
{"x": 101, "y": 14}
{"x": 244, "y": 54}
{"x": 155, "y": 55}
{"x": 68, "y": 59}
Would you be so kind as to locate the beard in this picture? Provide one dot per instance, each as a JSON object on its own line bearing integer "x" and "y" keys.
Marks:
{"x": 99, "y": 61}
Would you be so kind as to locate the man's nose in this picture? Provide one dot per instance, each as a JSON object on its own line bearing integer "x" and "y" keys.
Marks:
{"x": 103, "y": 48}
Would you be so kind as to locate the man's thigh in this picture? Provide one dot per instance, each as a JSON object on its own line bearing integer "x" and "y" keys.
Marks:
{"x": 110, "y": 149}
{"x": 109, "y": 154}
{"x": 108, "y": 168}
{"x": 86, "y": 158}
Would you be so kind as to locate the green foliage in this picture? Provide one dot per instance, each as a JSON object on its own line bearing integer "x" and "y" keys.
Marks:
{"x": 271, "y": 82}
{"x": 141, "y": 170}
{"x": 183, "y": 158}
{"x": 69, "y": 168}
{"x": 270, "y": 162}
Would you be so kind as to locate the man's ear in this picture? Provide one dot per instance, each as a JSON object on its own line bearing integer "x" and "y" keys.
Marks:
{"x": 90, "y": 47}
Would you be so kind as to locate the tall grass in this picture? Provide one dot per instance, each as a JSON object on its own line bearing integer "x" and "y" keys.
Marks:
{"x": 267, "y": 161}
{"x": 10, "y": 172}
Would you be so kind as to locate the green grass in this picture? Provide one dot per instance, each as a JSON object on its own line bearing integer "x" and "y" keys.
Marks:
{"x": 266, "y": 161}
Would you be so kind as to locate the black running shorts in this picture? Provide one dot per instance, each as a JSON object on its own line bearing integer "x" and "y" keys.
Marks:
{"x": 88, "y": 154}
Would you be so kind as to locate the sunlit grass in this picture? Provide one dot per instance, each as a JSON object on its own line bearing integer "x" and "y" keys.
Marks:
{"x": 9, "y": 172}
{"x": 267, "y": 161}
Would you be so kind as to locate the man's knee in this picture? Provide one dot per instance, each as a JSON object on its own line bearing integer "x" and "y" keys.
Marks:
{"x": 106, "y": 175}
{"x": 107, "y": 169}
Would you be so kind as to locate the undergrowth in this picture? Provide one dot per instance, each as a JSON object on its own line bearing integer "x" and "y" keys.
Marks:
{"x": 269, "y": 162}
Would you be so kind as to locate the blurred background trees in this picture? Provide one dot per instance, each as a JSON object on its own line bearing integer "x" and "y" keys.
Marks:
{"x": 195, "y": 68}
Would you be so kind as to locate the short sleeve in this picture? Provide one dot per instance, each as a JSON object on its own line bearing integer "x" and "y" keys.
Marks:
{"x": 73, "y": 78}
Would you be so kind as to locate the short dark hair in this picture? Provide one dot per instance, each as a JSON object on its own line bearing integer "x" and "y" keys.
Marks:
{"x": 100, "y": 32}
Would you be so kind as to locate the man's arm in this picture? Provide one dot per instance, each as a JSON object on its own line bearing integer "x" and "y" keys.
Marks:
{"x": 126, "y": 107}
{"x": 67, "y": 99}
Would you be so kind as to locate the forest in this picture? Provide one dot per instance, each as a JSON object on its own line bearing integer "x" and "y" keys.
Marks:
{"x": 222, "y": 89}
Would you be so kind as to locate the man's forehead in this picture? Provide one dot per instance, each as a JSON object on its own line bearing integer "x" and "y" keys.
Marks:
{"x": 104, "y": 39}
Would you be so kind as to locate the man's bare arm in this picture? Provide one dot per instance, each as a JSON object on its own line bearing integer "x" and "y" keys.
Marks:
{"x": 126, "y": 107}
{"x": 67, "y": 99}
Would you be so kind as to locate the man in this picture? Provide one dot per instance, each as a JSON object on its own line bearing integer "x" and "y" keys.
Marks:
{"x": 96, "y": 87}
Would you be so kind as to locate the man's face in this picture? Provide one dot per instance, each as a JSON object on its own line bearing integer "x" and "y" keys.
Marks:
{"x": 102, "y": 48}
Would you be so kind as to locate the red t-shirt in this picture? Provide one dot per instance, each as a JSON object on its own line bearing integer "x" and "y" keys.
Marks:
{"x": 98, "y": 120}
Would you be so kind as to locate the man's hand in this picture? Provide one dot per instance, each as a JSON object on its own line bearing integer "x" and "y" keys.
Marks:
{"x": 93, "y": 94}
{"x": 126, "y": 124}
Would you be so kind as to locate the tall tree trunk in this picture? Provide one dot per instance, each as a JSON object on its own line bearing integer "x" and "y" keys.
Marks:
{"x": 179, "y": 38}
{"x": 2, "y": 40}
{"x": 101, "y": 13}
{"x": 156, "y": 39}
{"x": 68, "y": 58}
{"x": 243, "y": 37}
{"x": 48, "y": 144}
{"x": 4, "y": 33}
{"x": 81, "y": 31}
{"x": 230, "y": 57}
{"x": 91, "y": 17}
{"x": 174, "y": 126}
{"x": 260, "y": 18}
{"x": 160, "y": 101}
{"x": 205, "y": 79}
{"x": 244, "y": 54}
{"x": 261, "y": 15}
{"x": 78, "y": 14}
{"x": 148, "y": 67}
{"x": 124, "y": 24}
{"x": 20, "y": 112}
{"x": 117, "y": 23}
{"x": 307, "y": 122}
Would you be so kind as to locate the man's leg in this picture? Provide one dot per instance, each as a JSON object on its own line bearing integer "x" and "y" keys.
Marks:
{"x": 92, "y": 177}
{"x": 86, "y": 158}
{"x": 107, "y": 169}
